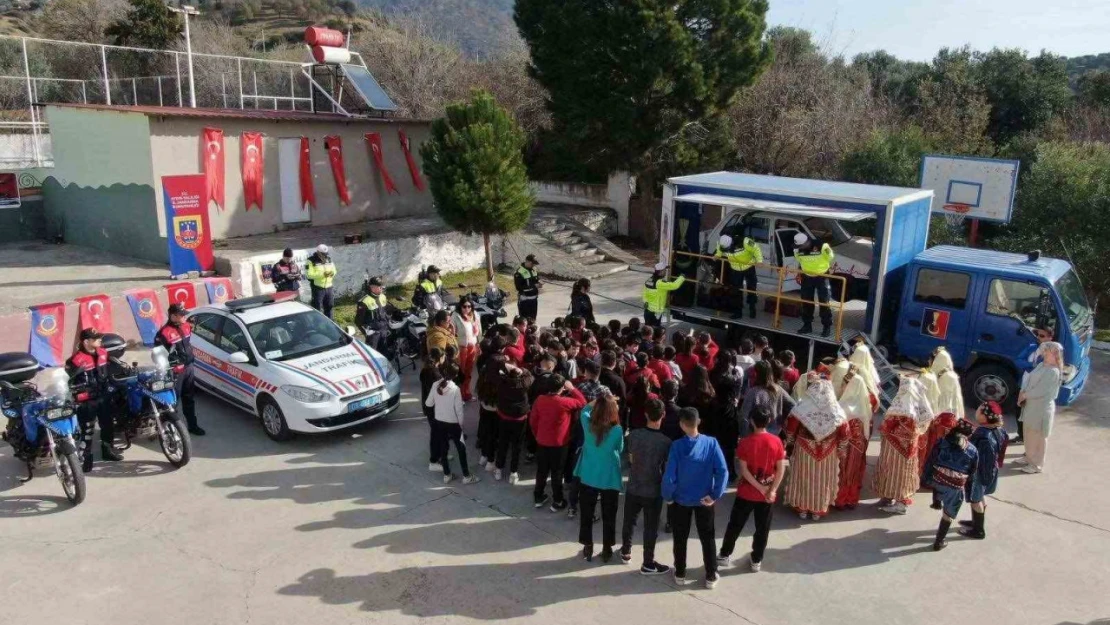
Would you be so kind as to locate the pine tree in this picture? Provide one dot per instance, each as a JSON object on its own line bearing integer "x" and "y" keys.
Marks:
{"x": 148, "y": 24}
{"x": 475, "y": 167}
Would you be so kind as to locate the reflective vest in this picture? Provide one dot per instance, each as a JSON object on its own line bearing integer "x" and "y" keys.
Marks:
{"x": 321, "y": 274}
{"x": 655, "y": 293}
{"x": 372, "y": 303}
{"x": 742, "y": 259}
{"x": 430, "y": 287}
{"x": 526, "y": 281}
{"x": 815, "y": 263}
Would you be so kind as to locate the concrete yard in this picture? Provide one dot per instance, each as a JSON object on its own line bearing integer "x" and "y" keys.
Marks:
{"x": 353, "y": 528}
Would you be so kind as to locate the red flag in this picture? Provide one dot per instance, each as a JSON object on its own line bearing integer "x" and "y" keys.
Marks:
{"x": 334, "y": 145}
{"x": 375, "y": 141}
{"x": 95, "y": 311}
{"x": 183, "y": 293}
{"x": 250, "y": 144}
{"x": 212, "y": 153}
{"x": 308, "y": 191}
{"x": 417, "y": 181}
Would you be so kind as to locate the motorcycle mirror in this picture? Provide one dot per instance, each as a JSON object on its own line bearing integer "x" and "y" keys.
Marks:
{"x": 238, "y": 358}
{"x": 350, "y": 330}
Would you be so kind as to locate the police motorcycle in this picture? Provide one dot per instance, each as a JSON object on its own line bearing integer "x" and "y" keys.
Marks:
{"x": 41, "y": 424}
{"x": 149, "y": 401}
{"x": 489, "y": 306}
{"x": 412, "y": 324}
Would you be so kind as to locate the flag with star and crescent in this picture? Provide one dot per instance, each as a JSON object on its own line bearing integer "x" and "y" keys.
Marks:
{"x": 94, "y": 311}
{"x": 251, "y": 147}
{"x": 212, "y": 159}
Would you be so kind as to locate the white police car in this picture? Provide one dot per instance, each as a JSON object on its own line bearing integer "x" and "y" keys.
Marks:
{"x": 290, "y": 365}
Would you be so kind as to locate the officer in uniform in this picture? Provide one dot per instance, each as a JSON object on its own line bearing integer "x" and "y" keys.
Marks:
{"x": 175, "y": 336}
{"x": 286, "y": 275}
{"x": 742, "y": 264}
{"x": 814, "y": 263}
{"x": 320, "y": 272}
{"x": 527, "y": 283}
{"x": 431, "y": 284}
{"x": 88, "y": 373}
{"x": 655, "y": 294}
{"x": 372, "y": 313}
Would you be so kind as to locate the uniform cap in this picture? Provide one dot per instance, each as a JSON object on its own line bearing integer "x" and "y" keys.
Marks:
{"x": 531, "y": 258}
{"x": 432, "y": 269}
{"x": 323, "y": 249}
{"x": 89, "y": 334}
{"x": 726, "y": 241}
{"x": 288, "y": 253}
{"x": 375, "y": 281}
{"x": 800, "y": 239}
{"x": 177, "y": 309}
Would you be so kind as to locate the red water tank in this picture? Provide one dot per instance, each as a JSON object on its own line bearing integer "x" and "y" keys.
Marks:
{"x": 320, "y": 36}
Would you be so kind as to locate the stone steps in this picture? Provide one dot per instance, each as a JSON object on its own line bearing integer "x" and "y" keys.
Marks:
{"x": 569, "y": 249}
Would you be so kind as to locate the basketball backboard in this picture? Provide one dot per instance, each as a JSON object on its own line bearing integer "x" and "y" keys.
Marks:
{"x": 976, "y": 188}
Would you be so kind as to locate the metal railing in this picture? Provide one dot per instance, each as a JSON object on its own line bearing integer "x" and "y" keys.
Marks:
{"x": 778, "y": 294}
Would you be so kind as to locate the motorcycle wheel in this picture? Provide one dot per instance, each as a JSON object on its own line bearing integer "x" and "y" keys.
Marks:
{"x": 405, "y": 348}
{"x": 176, "y": 444}
{"x": 68, "y": 469}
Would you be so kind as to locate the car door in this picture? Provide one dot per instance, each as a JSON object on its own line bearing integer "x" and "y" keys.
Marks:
{"x": 1012, "y": 310}
{"x": 940, "y": 312}
{"x": 241, "y": 378}
{"x": 206, "y": 332}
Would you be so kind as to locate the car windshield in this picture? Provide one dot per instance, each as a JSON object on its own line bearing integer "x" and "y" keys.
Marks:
{"x": 294, "y": 336}
{"x": 828, "y": 230}
{"x": 1075, "y": 301}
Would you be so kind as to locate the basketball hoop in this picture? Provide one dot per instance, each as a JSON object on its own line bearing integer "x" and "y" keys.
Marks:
{"x": 955, "y": 214}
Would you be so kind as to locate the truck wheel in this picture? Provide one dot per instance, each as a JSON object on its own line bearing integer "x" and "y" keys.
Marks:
{"x": 991, "y": 382}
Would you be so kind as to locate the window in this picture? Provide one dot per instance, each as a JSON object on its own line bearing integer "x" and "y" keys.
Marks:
{"x": 1027, "y": 302}
{"x": 827, "y": 231}
{"x": 946, "y": 288}
{"x": 297, "y": 335}
{"x": 742, "y": 225}
{"x": 207, "y": 326}
{"x": 234, "y": 339}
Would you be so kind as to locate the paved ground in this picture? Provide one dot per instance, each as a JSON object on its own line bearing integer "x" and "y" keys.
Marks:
{"x": 353, "y": 529}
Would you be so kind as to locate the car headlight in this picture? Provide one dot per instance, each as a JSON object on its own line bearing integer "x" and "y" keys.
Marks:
{"x": 306, "y": 395}
{"x": 391, "y": 375}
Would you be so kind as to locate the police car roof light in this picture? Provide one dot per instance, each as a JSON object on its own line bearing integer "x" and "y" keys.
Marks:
{"x": 246, "y": 303}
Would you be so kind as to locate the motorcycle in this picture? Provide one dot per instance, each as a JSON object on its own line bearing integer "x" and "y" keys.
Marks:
{"x": 41, "y": 425}
{"x": 489, "y": 306}
{"x": 407, "y": 330}
{"x": 150, "y": 406}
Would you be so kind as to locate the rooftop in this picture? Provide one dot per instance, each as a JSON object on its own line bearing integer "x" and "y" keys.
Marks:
{"x": 255, "y": 114}
{"x": 802, "y": 187}
{"x": 1005, "y": 263}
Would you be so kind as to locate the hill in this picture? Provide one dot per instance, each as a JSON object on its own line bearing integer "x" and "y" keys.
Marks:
{"x": 477, "y": 26}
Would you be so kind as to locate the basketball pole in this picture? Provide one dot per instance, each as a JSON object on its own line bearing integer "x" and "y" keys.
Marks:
{"x": 973, "y": 236}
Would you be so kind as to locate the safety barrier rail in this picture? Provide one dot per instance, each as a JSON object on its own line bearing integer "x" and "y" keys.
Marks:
{"x": 782, "y": 272}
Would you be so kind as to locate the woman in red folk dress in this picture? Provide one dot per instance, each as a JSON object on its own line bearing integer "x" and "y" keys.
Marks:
{"x": 817, "y": 437}
{"x": 856, "y": 402}
{"x": 897, "y": 476}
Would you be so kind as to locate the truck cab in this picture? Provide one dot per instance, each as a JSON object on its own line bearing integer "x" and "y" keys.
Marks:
{"x": 990, "y": 310}
{"x": 774, "y": 234}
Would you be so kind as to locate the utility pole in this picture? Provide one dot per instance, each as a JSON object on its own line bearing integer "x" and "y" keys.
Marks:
{"x": 188, "y": 10}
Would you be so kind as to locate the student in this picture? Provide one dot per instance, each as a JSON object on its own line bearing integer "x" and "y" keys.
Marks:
{"x": 762, "y": 467}
{"x": 699, "y": 394}
{"x": 990, "y": 441}
{"x": 658, "y": 366}
{"x": 489, "y": 384}
{"x": 631, "y": 346}
{"x": 671, "y": 425}
{"x": 599, "y": 471}
{"x": 760, "y": 343}
{"x": 949, "y": 467}
{"x": 513, "y": 406}
{"x": 762, "y": 391}
{"x": 746, "y": 360}
{"x": 429, "y": 375}
{"x": 668, "y": 358}
{"x": 646, "y": 344}
{"x": 638, "y": 400}
{"x": 446, "y": 399}
{"x": 647, "y": 456}
{"x": 728, "y": 385}
{"x": 686, "y": 357}
{"x": 591, "y": 389}
{"x": 694, "y": 480}
{"x": 790, "y": 373}
{"x": 639, "y": 370}
{"x": 609, "y": 378}
{"x": 705, "y": 341}
{"x": 615, "y": 328}
{"x": 550, "y": 422}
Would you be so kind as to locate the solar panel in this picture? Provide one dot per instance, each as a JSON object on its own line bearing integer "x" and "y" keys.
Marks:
{"x": 371, "y": 92}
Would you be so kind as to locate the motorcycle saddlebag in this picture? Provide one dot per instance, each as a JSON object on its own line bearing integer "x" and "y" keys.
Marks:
{"x": 17, "y": 367}
{"x": 114, "y": 344}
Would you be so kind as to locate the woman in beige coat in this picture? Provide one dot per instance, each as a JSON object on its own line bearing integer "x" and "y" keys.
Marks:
{"x": 1038, "y": 405}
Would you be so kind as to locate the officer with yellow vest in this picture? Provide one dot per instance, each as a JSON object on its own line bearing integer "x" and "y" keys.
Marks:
{"x": 430, "y": 284}
{"x": 526, "y": 280}
{"x": 655, "y": 294}
{"x": 741, "y": 263}
{"x": 372, "y": 313}
{"x": 320, "y": 272}
{"x": 814, "y": 262}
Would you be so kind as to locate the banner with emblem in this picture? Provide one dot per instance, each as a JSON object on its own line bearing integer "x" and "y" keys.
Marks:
{"x": 219, "y": 290}
{"x": 183, "y": 293}
{"x": 375, "y": 141}
{"x": 148, "y": 313}
{"x": 47, "y": 328}
{"x": 95, "y": 311}
{"x": 212, "y": 155}
{"x": 187, "y": 232}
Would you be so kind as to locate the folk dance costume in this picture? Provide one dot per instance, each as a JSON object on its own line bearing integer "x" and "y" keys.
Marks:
{"x": 949, "y": 408}
{"x": 817, "y": 431}
{"x": 950, "y": 470}
{"x": 932, "y": 389}
{"x": 897, "y": 477}
{"x": 838, "y": 373}
{"x": 990, "y": 441}
{"x": 856, "y": 402}
{"x": 862, "y": 360}
{"x": 937, "y": 430}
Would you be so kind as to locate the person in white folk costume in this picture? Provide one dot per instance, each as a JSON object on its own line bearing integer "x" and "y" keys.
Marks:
{"x": 862, "y": 359}
{"x": 816, "y": 438}
{"x": 855, "y": 400}
{"x": 950, "y": 396}
{"x": 897, "y": 475}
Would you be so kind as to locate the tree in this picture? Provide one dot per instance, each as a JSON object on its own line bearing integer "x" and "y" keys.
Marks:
{"x": 1093, "y": 89}
{"x": 79, "y": 20}
{"x": 952, "y": 108}
{"x": 625, "y": 77}
{"x": 475, "y": 168}
{"x": 1024, "y": 94}
{"x": 892, "y": 78}
{"x": 148, "y": 24}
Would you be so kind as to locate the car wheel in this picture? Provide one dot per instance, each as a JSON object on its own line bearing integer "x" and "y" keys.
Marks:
{"x": 991, "y": 382}
{"x": 273, "y": 420}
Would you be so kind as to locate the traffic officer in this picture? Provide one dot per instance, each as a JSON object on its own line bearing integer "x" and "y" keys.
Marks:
{"x": 742, "y": 264}
{"x": 372, "y": 313}
{"x": 814, "y": 264}
{"x": 176, "y": 336}
{"x": 286, "y": 274}
{"x": 88, "y": 373}
{"x": 430, "y": 284}
{"x": 655, "y": 294}
{"x": 527, "y": 283}
{"x": 320, "y": 272}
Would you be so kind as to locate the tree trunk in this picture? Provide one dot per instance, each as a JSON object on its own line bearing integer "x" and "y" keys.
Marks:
{"x": 489, "y": 257}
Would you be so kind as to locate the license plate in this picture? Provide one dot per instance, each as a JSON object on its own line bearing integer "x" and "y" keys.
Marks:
{"x": 363, "y": 404}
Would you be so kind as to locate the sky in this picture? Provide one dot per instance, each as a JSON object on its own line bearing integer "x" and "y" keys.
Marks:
{"x": 916, "y": 29}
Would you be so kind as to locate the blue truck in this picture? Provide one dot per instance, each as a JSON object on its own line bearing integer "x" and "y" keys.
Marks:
{"x": 987, "y": 308}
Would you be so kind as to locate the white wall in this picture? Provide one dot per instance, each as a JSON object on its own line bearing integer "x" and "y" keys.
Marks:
{"x": 615, "y": 194}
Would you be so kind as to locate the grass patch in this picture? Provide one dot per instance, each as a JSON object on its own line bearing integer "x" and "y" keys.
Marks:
{"x": 1102, "y": 335}
{"x": 475, "y": 280}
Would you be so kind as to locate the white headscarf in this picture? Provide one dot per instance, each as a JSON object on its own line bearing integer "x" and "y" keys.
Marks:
{"x": 951, "y": 397}
{"x": 856, "y": 402}
{"x": 861, "y": 358}
{"x": 929, "y": 381}
{"x": 839, "y": 370}
{"x": 942, "y": 361}
{"x": 911, "y": 402}
{"x": 819, "y": 411}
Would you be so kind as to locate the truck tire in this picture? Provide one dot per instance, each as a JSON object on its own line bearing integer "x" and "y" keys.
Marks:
{"x": 991, "y": 381}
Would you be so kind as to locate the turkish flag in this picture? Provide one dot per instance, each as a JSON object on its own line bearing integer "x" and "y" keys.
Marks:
{"x": 308, "y": 191}
{"x": 95, "y": 311}
{"x": 212, "y": 154}
{"x": 184, "y": 293}
{"x": 375, "y": 141}
{"x": 414, "y": 171}
{"x": 250, "y": 144}
{"x": 334, "y": 145}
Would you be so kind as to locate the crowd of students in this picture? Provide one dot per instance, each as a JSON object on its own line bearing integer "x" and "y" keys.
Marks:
{"x": 689, "y": 419}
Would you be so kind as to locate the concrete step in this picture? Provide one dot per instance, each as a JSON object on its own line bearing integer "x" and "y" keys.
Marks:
{"x": 589, "y": 251}
{"x": 606, "y": 269}
{"x": 561, "y": 235}
{"x": 576, "y": 247}
{"x": 592, "y": 259}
